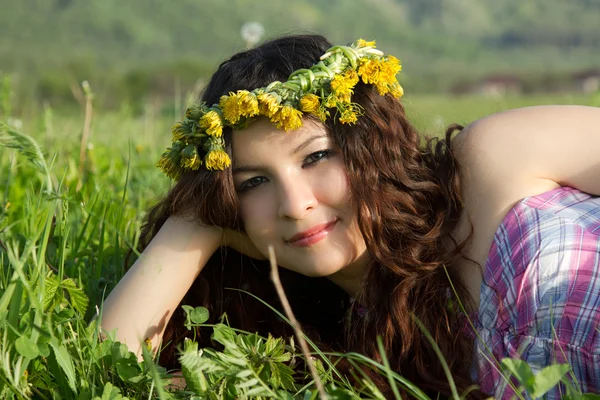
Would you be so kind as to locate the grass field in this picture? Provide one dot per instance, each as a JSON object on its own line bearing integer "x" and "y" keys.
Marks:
{"x": 65, "y": 229}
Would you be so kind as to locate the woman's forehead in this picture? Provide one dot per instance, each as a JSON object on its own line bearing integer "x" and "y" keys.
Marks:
{"x": 263, "y": 139}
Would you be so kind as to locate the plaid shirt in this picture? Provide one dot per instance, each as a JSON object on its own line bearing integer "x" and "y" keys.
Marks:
{"x": 540, "y": 300}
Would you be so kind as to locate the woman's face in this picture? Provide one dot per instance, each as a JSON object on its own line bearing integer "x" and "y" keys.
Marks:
{"x": 294, "y": 195}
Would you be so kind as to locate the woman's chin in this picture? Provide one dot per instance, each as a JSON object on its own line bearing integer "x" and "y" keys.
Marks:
{"x": 314, "y": 271}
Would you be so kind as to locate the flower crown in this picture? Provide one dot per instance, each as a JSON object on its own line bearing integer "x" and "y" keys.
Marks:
{"x": 329, "y": 84}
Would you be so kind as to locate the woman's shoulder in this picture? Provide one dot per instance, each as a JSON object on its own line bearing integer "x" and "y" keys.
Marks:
{"x": 486, "y": 198}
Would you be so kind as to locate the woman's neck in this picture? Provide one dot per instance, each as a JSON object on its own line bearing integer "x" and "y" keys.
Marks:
{"x": 351, "y": 277}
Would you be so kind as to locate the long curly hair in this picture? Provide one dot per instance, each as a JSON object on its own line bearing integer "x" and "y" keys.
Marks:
{"x": 407, "y": 192}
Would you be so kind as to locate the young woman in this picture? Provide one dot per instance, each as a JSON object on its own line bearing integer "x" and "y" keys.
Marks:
{"x": 371, "y": 227}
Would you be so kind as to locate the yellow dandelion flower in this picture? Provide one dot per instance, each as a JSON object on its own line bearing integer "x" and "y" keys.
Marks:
{"x": 322, "y": 114}
{"x": 331, "y": 101}
{"x": 344, "y": 97}
{"x": 382, "y": 88}
{"x": 168, "y": 167}
{"x": 217, "y": 159}
{"x": 369, "y": 71}
{"x": 180, "y": 130}
{"x": 192, "y": 163}
{"x": 388, "y": 70}
{"x": 268, "y": 104}
{"x": 288, "y": 118}
{"x": 338, "y": 84}
{"x": 343, "y": 84}
{"x": 247, "y": 103}
{"x": 396, "y": 90}
{"x": 230, "y": 106}
{"x": 190, "y": 158}
{"x": 148, "y": 343}
{"x": 348, "y": 117}
{"x": 351, "y": 76}
{"x": 364, "y": 43}
{"x": 393, "y": 64}
{"x": 194, "y": 112}
{"x": 309, "y": 103}
{"x": 212, "y": 124}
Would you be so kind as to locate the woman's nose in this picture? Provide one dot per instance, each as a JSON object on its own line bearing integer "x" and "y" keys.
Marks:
{"x": 296, "y": 198}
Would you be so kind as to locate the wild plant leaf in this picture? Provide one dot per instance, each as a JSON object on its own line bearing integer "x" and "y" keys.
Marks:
{"x": 26, "y": 320}
{"x": 128, "y": 369}
{"x": 51, "y": 284}
{"x": 275, "y": 378}
{"x": 224, "y": 335}
{"x": 92, "y": 331}
{"x": 336, "y": 393}
{"x": 285, "y": 357}
{"x": 286, "y": 375}
{"x": 248, "y": 384}
{"x": 319, "y": 366}
{"x": 43, "y": 348}
{"x": 65, "y": 314}
{"x": 521, "y": 370}
{"x": 120, "y": 351}
{"x": 188, "y": 318}
{"x": 233, "y": 360}
{"x": 51, "y": 250}
{"x": 258, "y": 391}
{"x": 199, "y": 315}
{"x": 244, "y": 374}
{"x": 271, "y": 344}
{"x": 79, "y": 300}
{"x": 259, "y": 368}
{"x": 310, "y": 395}
{"x": 191, "y": 367}
{"x": 64, "y": 360}
{"x": 110, "y": 393}
{"x": 234, "y": 346}
{"x": 548, "y": 377}
{"x": 103, "y": 352}
{"x": 26, "y": 347}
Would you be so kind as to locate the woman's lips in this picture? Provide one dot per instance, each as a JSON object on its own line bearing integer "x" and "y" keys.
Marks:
{"x": 313, "y": 236}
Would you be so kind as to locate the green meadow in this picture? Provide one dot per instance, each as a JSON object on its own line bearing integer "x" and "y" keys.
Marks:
{"x": 71, "y": 207}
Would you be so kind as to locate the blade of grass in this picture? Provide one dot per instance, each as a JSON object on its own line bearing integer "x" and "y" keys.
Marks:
{"x": 438, "y": 352}
{"x": 295, "y": 324}
{"x": 387, "y": 369}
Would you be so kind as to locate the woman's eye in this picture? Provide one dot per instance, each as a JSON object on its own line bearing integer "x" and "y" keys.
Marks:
{"x": 251, "y": 183}
{"x": 316, "y": 156}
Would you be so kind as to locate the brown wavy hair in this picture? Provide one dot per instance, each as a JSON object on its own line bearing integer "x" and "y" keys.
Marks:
{"x": 407, "y": 192}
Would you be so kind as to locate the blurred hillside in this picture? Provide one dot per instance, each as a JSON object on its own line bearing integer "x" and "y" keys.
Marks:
{"x": 130, "y": 49}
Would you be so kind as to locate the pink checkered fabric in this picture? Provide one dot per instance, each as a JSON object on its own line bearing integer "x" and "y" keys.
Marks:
{"x": 540, "y": 300}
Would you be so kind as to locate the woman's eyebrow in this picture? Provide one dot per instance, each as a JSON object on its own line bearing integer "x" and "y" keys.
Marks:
{"x": 308, "y": 141}
{"x": 300, "y": 147}
{"x": 250, "y": 168}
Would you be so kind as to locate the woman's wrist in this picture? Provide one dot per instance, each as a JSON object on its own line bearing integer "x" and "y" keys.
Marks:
{"x": 184, "y": 235}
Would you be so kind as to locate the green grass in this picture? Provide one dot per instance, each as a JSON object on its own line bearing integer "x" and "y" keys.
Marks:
{"x": 62, "y": 250}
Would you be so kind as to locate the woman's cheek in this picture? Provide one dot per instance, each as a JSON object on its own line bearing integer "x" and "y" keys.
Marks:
{"x": 334, "y": 184}
{"x": 256, "y": 212}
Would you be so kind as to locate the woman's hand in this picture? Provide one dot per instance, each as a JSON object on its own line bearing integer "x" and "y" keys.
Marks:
{"x": 240, "y": 242}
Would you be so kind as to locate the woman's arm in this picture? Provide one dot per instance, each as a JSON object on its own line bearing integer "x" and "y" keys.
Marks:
{"x": 143, "y": 301}
{"x": 545, "y": 143}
